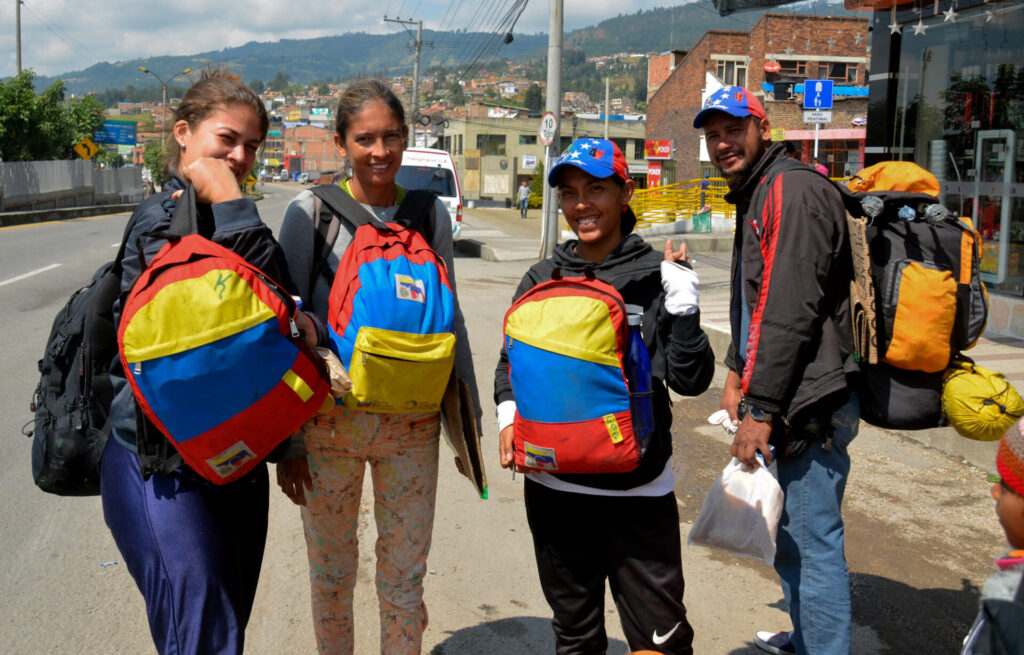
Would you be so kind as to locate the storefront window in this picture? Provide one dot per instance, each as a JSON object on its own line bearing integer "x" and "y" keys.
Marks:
{"x": 960, "y": 114}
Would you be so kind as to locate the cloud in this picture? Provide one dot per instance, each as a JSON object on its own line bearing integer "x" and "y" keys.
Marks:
{"x": 60, "y": 36}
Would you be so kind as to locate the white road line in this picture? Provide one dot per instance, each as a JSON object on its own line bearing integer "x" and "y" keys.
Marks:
{"x": 30, "y": 274}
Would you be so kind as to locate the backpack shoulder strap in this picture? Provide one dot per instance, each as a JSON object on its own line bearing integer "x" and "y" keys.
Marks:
{"x": 343, "y": 205}
{"x": 414, "y": 212}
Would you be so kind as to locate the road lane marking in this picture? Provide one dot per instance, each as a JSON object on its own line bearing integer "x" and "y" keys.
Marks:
{"x": 29, "y": 274}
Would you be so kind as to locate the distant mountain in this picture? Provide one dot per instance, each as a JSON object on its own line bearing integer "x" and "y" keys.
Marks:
{"x": 355, "y": 53}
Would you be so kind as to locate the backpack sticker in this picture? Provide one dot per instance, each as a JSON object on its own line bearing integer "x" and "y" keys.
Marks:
{"x": 406, "y": 288}
{"x": 540, "y": 458}
{"x": 231, "y": 459}
{"x": 612, "y": 426}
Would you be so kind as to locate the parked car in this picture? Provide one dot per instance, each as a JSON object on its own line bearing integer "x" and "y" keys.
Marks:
{"x": 282, "y": 176}
{"x": 433, "y": 170}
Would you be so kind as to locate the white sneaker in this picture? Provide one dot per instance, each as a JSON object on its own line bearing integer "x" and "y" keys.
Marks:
{"x": 777, "y": 643}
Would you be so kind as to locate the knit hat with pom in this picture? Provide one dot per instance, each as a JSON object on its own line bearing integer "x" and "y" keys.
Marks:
{"x": 1010, "y": 457}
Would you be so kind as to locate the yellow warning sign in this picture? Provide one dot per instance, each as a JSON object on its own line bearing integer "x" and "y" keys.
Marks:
{"x": 86, "y": 149}
{"x": 778, "y": 134}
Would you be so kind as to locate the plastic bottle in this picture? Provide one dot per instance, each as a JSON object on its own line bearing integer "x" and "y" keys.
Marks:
{"x": 638, "y": 374}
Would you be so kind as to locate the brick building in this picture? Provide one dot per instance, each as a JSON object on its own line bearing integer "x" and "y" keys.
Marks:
{"x": 772, "y": 60}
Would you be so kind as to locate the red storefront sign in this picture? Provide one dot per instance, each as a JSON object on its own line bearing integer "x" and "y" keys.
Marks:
{"x": 653, "y": 175}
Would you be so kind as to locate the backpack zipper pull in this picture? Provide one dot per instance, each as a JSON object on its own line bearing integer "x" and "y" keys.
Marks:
{"x": 294, "y": 328}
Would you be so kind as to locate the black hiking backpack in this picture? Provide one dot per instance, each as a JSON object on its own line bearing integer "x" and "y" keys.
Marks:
{"x": 72, "y": 402}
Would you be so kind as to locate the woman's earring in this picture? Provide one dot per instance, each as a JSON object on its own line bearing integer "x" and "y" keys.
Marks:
{"x": 182, "y": 145}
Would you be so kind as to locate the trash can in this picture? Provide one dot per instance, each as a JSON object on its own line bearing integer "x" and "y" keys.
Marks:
{"x": 508, "y": 203}
{"x": 702, "y": 221}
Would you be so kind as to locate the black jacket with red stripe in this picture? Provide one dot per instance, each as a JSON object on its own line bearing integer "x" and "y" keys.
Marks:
{"x": 791, "y": 274}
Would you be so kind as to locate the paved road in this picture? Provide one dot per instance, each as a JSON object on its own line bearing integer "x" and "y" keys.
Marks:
{"x": 921, "y": 530}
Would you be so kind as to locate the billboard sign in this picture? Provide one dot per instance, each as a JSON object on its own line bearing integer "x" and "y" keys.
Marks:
{"x": 658, "y": 149}
{"x": 120, "y": 132}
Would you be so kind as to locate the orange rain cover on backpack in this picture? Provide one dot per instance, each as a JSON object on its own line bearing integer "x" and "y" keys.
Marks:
{"x": 895, "y": 176}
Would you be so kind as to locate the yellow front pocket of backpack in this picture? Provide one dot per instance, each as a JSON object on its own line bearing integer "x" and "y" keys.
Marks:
{"x": 924, "y": 299}
{"x": 399, "y": 372}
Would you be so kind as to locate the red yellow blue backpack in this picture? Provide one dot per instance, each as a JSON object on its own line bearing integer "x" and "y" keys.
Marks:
{"x": 210, "y": 349}
{"x": 565, "y": 339}
{"x": 391, "y": 310}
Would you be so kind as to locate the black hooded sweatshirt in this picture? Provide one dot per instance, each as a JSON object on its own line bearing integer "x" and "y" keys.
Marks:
{"x": 679, "y": 349}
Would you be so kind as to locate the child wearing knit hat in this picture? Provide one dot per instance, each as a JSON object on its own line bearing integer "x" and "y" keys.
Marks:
{"x": 999, "y": 627}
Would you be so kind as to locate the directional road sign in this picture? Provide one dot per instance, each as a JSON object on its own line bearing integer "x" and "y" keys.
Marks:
{"x": 548, "y": 125}
{"x": 86, "y": 149}
{"x": 818, "y": 94}
{"x": 120, "y": 132}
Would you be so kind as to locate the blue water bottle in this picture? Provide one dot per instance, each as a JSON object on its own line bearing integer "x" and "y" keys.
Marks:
{"x": 638, "y": 374}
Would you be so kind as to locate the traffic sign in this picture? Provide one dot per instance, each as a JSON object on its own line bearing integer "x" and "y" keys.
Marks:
{"x": 548, "y": 125}
{"x": 86, "y": 149}
{"x": 817, "y": 94}
{"x": 778, "y": 134}
{"x": 814, "y": 116}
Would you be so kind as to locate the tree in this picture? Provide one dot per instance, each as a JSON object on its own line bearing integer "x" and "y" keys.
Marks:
{"x": 537, "y": 183}
{"x": 155, "y": 158}
{"x": 280, "y": 82}
{"x": 323, "y": 89}
{"x": 45, "y": 126}
{"x": 533, "y": 98}
{"x": 257, "y": 86}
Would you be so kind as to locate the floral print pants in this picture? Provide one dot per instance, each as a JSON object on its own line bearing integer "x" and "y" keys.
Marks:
{"x": 402, "y": 451}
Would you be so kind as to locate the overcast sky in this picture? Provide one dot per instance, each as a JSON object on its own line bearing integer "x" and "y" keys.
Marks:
{"x": 59, "y": 36}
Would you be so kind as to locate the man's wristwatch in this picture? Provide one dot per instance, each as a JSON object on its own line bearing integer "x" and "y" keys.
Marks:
{"x": 757, "y": 414}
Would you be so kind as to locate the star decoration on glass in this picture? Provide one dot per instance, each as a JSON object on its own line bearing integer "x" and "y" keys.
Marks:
{"x": 950, "y": 15}
{"x": 789, "y": 50}
{"x": 807, "y": 46}
{"x": 894, "y": 28}
{"x": 857, "y": 38}
{"x": 989, "y": 15}
{"x": 832, "y": 43}
{"x": 919, "y": 28}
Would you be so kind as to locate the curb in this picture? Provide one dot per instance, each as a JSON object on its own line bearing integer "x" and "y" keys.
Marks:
{"x": 9, "y": 219}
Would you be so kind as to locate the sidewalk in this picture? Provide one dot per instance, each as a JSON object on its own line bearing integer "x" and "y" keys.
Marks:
{"x": 501, "y": 235}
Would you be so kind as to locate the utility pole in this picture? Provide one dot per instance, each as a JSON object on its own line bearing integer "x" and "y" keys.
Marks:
{"x": 553, "y": 102}
{"x": 607, "y": 105}
{"x": 17, "y": 29}
{"x": 163, "y": 104}
{"x": 418, "y": 44}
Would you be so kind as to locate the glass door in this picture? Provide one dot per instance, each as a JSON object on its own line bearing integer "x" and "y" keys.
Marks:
{"x": 1002, "y": 246}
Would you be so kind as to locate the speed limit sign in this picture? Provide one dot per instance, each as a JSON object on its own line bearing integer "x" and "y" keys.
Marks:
{"x": 548, "y": 125}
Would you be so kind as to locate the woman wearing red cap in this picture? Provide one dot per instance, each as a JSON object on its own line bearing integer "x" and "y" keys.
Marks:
{"x": 623, "y": 528}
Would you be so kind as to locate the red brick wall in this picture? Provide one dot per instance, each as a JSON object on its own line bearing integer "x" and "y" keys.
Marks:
{"x": 670, "y": 110}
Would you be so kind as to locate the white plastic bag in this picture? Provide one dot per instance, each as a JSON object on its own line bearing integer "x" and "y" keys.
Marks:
{"x": 741, "y": 512}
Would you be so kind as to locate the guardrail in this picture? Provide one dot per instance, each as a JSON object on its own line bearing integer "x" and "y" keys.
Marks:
{"x": 682, "y": 201}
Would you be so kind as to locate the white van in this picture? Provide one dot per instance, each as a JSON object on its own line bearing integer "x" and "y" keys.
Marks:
{"x": 433, "y": 170}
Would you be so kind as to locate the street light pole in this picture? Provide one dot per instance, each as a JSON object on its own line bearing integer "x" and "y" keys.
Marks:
{"x": 163, "y": 103}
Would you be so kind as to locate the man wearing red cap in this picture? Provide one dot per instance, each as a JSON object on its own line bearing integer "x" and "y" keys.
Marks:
{"x": 787, "y": 384}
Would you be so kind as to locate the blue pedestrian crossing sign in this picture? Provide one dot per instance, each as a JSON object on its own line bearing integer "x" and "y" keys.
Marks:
{"x": 818, "y": 94}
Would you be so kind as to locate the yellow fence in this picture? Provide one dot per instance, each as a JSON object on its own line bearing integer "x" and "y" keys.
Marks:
{"x": 683, "y": 200}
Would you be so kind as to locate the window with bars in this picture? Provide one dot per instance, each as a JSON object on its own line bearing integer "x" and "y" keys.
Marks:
{"x": 792, "y": 67}
{"x": 732, "y": 72}
{"x": 491, "y": 144}
{"x": 842, "y": 72}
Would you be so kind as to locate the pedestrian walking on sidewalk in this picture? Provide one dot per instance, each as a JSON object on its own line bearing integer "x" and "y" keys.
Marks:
{"x": 787, "y": 383}
{"x": 524, "y": 198}
{"x": 323, "y": 472}
{"x": 619, "y": 528}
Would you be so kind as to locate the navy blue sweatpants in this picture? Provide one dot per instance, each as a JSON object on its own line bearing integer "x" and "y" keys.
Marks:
{"x": 194, "y": 549}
